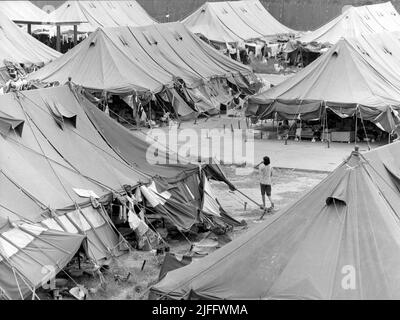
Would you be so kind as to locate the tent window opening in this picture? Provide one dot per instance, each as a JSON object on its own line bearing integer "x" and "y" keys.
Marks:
{"x": 61, "y": 115}
{"x": 10, "y": 124}
{"x": 335, "y": 201}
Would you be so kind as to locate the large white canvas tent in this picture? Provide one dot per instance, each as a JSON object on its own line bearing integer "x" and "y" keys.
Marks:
{"x": 23, "y": 12}
{"x": 357, "y": 76}
{"x": 234, "y": 21}
{"x": 91, "y": 15}
{"x": 356, "y": 21}
{"x": 125, "y": 60}
{"x": 17, "y": 46}
{"x": 341, "y": 241}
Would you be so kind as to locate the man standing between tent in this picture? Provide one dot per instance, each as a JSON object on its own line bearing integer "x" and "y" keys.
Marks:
{"x": 265, "y": 172}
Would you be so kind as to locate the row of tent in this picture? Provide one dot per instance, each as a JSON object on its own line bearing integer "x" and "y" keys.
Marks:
{"x": 238, "y": 21}
{"x": 134, "y": 60}
{"x": 234, "y": 21}
{"x": 126, "y": 60}
{"x": 229, "y": 21}
{"x": 223, "y": 22}
{"x": 62, "y": 158}
{"x": 166, "y": 50}
{"x": 62, "y": 161}
{"x": 341, "y": 241}
{"x": 153, "y": 59}
{"x": 356, "y": 77}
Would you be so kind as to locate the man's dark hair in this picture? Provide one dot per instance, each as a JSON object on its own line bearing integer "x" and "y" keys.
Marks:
{"x": 267, "y": 161}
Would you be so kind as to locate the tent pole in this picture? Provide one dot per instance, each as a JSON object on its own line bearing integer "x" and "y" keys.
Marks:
{"x": 259, "y": 205}
{"x": 355, "y": 138}
{"x": 58, "y": 42}
{"x": 75, "y": 34}
{"x": 30, "y": 28}
{"x": 327, "y": 127}
{"x": 323, "y": 123}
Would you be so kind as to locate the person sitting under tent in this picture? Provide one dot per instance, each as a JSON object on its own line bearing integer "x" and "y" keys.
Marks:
{"x": 316, "y": 133}
{"x": 165, "y": 119}
{"x": 232, "y": 51}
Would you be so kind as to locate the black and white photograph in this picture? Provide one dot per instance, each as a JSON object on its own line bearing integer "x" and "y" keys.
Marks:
{"x": 227, "y": 152}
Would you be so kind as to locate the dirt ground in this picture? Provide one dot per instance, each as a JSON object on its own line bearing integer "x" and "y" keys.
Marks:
{"x": 130, "y": 275}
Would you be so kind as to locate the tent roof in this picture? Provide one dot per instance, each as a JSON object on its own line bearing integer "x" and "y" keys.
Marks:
{"x": 50, "y": 170}
{"x": 58, "y": 151}
{"x": 23, "y": 12}
{"x": 101, "y": 14}
{"x": 234, "y": 21}
{"x": 18, "y": 46}
{"x": 356, "y": 71}
{"x": 349, "y": 223}
{"x": 133, "y": 148}
{"x": 31, "y": 255}
{"x": 125, "y": 59}
{"x": 356, "y": 21}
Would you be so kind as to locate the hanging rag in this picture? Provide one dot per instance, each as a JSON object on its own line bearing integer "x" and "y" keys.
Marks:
{"x": 136, "y": 224}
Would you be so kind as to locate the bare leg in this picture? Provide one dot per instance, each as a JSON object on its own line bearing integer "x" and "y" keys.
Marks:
{"x": 263, "y": 200}
{"x": 270, "y": 200}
